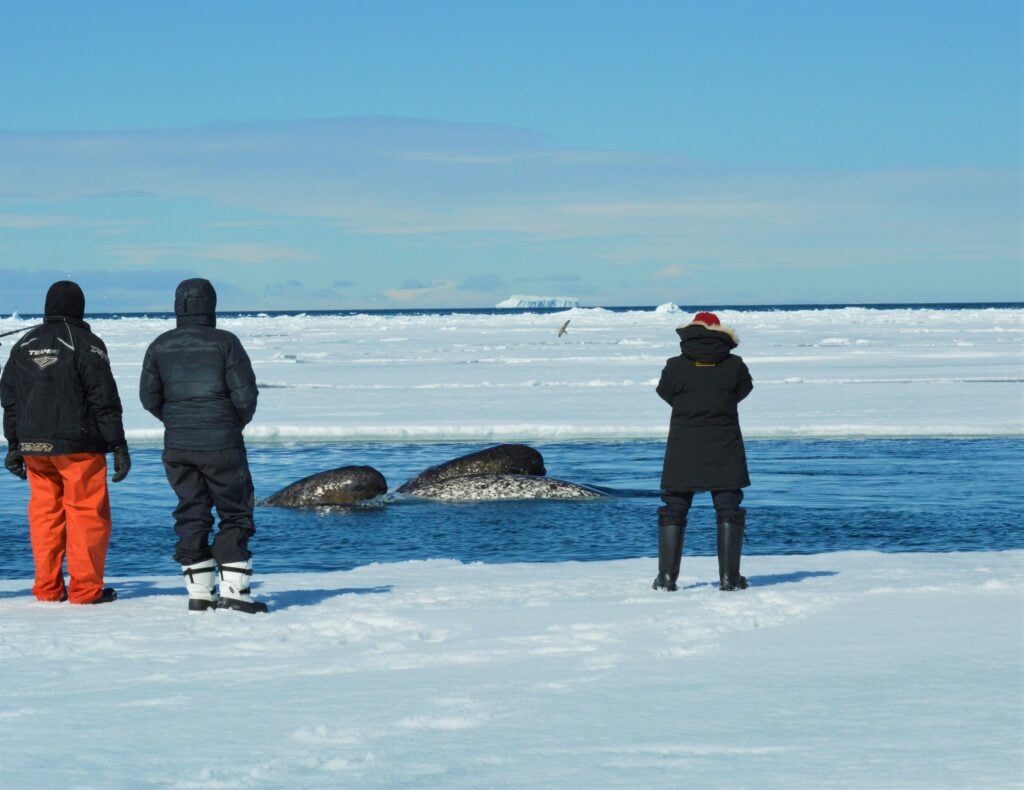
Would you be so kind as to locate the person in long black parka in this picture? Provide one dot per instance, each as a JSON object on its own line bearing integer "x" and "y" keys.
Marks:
{"x": 198, "y": 381}
{"x": 705, "y": 452}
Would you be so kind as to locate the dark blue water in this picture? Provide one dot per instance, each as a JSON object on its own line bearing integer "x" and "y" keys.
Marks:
{"x": 808, "y": 496}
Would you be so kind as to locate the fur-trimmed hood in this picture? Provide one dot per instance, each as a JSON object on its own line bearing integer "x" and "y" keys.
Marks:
{"x": 707, "y": 342}
{"x": 713, "y": 327}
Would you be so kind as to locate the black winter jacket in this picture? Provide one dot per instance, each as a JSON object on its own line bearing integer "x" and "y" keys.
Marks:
{"x": 197, "y": 379}
{"x": 704, "y": 385}
{"x": 57, "y": 390}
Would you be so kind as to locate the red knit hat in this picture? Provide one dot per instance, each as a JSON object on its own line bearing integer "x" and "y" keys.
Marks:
{"x": 707, "y": 318}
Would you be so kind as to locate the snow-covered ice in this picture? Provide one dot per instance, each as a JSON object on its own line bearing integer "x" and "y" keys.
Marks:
{"x": 834, "y": 670}
{"x": 825, "y": 373}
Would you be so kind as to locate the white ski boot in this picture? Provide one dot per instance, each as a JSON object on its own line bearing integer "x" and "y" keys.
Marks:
{"x": 235, "y": 589}
{"x": 199, "y": 580}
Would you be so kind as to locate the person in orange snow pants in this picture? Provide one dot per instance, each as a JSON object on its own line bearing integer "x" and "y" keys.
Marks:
{"x": 69, "y": 515}
{"x": 62, "y": 415}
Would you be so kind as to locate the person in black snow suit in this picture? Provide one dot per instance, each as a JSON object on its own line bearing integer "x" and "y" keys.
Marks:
{"x": 198, "y": 381}
{"x": 704, "y": 452}
{"x": 62, "y": 415}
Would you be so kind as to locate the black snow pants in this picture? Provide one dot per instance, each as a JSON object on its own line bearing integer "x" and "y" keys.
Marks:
{"x": 203, "y": 479}
{"x": 677, "y": 504}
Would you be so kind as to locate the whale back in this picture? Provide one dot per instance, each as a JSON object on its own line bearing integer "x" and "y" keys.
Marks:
{"x": 502, "y": 459}
{"x": 342, "y": 486}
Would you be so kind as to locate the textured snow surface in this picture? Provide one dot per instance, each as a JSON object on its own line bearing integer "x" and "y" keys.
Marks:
{"x": 835, "y": 670}
{"x": 824, "y": 373}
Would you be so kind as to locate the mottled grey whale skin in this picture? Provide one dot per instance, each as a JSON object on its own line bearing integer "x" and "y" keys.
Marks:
{"x": 502, "y": 459}
{"x": 342, "y": 486}
{"x": 481, "y": 488}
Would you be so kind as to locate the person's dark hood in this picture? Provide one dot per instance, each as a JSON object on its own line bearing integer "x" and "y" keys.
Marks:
{"x": 195, "y": 302}
{"x": 64, "y": 300}
{"x": 704, "y": 343}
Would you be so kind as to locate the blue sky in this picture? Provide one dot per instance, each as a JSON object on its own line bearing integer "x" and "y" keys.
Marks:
{"x": 426, "y": 154}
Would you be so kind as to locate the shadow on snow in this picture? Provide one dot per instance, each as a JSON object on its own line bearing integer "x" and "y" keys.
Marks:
{"x": 771, "y": 579}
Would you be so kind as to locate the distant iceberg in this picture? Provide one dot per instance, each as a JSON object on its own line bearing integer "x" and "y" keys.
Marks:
{"x": 668, "y": 307}
{"x": 539, "y": 301}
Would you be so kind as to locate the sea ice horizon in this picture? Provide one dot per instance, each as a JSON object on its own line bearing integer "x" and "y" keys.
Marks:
{"x": 495, "y": 375}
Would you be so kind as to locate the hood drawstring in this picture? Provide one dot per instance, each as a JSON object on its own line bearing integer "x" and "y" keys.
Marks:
{"x": 71, "y": 337}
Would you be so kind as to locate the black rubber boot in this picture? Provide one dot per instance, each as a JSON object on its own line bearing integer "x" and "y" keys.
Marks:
{"x": 730, "y": 548}
{"x": 670, "y": 553}
{"x": 107, "y": 595}
{"x": 249, "y": 607}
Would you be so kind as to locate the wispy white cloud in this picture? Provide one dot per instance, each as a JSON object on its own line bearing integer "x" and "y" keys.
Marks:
{"x": 149, "y": 254}
{"x": 252, "y": 253}
{"x": 555, "y": 216}
{"x": 252, "y": 223}
{"x": 400, "y": 177}
{"x": 482, "y": 283}
{"x": 673, "y": 272}
{"x": 411, "y": 291}
{"x": 443, "y": 185}
{"x": 35, "y": 221}
{"x": 240, "y": 253}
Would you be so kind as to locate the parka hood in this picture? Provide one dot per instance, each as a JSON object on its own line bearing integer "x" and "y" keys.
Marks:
{"x": 65, "y": 300}
{"x": 195, "y": 302}
{"x": 706, "y": 343}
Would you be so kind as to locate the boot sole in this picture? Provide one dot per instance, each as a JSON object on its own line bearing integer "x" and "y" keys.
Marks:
{"x": 255, "y": 607}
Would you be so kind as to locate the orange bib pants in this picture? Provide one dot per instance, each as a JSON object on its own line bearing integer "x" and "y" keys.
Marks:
{"x": 68, "y": 515}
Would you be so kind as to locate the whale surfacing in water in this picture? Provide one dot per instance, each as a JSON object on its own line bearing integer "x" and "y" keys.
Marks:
{"x": 342, "y": 486}
{"x": 478, "y": 488}
{"x": 502, "y": 459}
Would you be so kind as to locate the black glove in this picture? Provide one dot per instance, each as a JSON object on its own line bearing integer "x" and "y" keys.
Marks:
{"x": 122, "y": 463}
{"x": 15, "y": 463}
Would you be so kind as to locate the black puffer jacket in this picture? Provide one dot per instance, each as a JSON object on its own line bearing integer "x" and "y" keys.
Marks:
{"x": 704, "y": 385}
{"x": 197, "y": 379}
{"x": 57, "y": 390}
